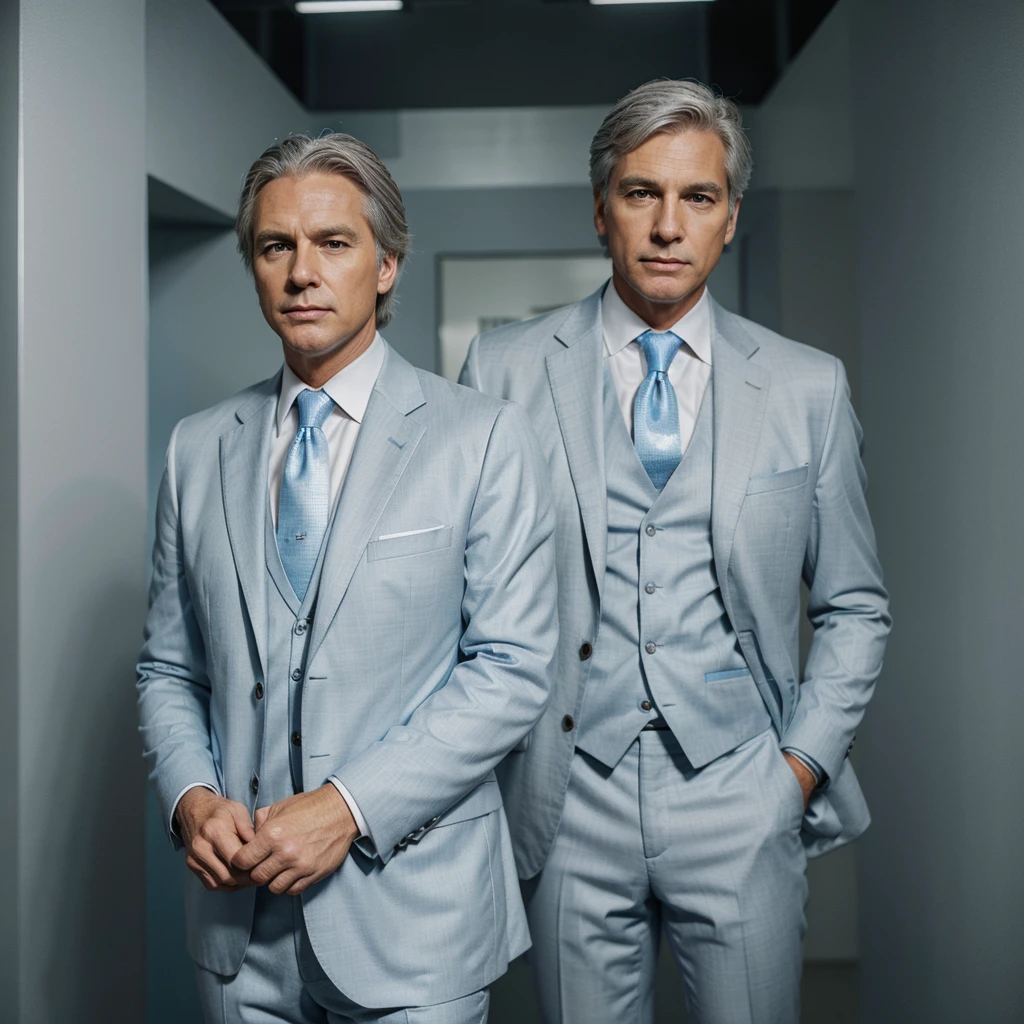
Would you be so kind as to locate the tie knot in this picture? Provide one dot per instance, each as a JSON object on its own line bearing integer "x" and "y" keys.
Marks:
{"x": 314, "y": 408}
{"x": 659, "y": 348}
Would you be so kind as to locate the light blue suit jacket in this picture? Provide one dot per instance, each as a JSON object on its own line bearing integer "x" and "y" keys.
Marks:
{"x": 429, "y": 658}
{"x": 786, "y": 463}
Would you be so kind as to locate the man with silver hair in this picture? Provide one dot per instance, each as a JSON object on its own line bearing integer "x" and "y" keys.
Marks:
{"x": 352, "y": 619}
{"x": 702, "y": 466}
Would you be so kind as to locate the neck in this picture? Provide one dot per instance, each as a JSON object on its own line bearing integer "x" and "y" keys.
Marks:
{"x": 660, "y": 316}
{"x": 315, "y": 369}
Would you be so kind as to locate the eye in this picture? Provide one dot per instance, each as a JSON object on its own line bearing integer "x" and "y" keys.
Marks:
{"x": 638, "y": 193}
{"x": 275, "y": 247}
{"x": 699, "y": 199}
{"x": 336, "y": 244}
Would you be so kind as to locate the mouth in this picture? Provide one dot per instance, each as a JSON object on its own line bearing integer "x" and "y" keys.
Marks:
{"x": 305, "y": 312}
{"x": 663, "y": 262}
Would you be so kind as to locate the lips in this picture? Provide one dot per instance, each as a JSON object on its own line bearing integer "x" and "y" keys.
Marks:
{"x": 305, "y": 312}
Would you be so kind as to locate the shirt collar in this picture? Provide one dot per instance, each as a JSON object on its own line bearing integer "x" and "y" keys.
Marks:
{"x": 621, "y": 325}
{"x": 350, "y": 388}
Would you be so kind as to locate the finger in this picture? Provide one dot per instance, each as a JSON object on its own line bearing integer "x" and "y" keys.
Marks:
{"x": 260, "y": 817}
{"x": 300, "y": 886}
{"x": 201, "y": 873}
{"x": 242, "y": 821}
{"x": 253, "y": 853}
{"x": 265, "y": 872}
{"x": 204, "y": 853}
{"x": 226, "y": 844}
{"x": 285, "y": 881}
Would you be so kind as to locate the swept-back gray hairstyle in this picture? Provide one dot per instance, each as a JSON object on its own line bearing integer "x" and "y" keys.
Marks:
{"x": 665, "y": 106}
{"x": 338, "y": 153}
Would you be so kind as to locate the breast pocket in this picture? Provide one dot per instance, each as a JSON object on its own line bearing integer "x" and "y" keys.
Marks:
{"x": 777, "y": 481}
{"x": 409, "y": 542}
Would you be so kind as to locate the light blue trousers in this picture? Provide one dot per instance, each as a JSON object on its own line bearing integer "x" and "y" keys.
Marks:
{"x": 281, "y": 982}
{"x": 712, "y": 857}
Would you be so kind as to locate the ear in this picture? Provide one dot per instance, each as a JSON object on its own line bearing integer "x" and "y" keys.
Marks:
{"x": 730, "y": 228}
{"x": 599, "y": 219}
{"x": 387, "y": 273}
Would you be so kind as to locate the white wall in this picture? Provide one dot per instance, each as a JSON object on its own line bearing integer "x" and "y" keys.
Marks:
{"x": 940, "y": 216}
{"x": 74, "y": 418}
{"x": 211, "y": 105}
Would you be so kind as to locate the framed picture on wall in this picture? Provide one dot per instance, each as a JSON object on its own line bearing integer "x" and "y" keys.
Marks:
{"x": 479, "y": 292}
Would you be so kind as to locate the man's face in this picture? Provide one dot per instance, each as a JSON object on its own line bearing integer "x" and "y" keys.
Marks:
{"x": 667, "y": 215}
{"x": 315, "y": 264}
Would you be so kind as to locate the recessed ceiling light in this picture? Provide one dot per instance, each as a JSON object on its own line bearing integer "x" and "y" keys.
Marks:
{"x": 346, "y": 6}
{"x": 602, "y": 3}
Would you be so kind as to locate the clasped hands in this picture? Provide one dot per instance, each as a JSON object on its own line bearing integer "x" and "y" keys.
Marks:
{"x": 290, "y": 846}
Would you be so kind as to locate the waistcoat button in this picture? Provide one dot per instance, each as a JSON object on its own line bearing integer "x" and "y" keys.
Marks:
{"x": 645, "y": 705}
{"x": 568, "y": 723}
{"x": 297, "y": 674}
{"x": 254, "y": 783}
{"x": 300, "y": 627}
{"x": 259, "y": 690}
{"x": 651, "y": 531}
{"x": 650, "y": 647}
{"x": 650, "y": 588}
{"x": 586, "y": 650}
{"x": 296, "y": 739}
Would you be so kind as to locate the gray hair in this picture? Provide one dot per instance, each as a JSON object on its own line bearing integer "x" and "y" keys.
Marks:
{"x": 337, "y": 153}
{"x": 665, "y": 106}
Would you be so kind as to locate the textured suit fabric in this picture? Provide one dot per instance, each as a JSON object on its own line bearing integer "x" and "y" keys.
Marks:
{"x": 788, "y": 501}
{"x": 656, "y": 846}
{"x": 427, "y": 658}
{"x": 281, "y": 982}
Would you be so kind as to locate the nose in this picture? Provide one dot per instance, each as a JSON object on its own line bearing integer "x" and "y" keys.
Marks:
{"x": 668, "y": 225}
{"x": 304, "y": 271}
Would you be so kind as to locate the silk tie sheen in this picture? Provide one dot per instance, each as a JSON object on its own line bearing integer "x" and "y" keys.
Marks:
{"x": 655, "y": 410}
{"x": 305, "y": 502}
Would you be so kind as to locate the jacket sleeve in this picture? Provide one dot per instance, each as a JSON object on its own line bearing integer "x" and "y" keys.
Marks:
{"x": 848, "y": 607}
{"x": 500, "y": 687}
{"x": 172, "y": 685}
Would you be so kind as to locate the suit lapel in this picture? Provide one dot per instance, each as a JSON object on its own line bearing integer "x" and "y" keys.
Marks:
{"x": 740, "y": 392}
{"x": 576, "y": 376}
{"x": 388, "y": 437}
{"x": 244, "y": 471}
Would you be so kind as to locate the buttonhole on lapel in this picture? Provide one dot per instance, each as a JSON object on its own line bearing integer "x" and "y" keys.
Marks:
{"x": 756, "y": 387}
{"x": 317, "y": 678}
{"x": 300, "y": 536}
{"x": 313, "y": 757}
{"x": 398, "y": 444}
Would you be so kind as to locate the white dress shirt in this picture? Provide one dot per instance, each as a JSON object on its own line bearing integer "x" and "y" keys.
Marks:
{"x": 689, "y": 371}
{"x": 350, "y": 389}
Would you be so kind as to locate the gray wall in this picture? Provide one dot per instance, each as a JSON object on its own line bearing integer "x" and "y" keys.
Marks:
{"x": 74, "y": 410}
{"x": 940, "y": 217}
{"x": 9, "y": 310}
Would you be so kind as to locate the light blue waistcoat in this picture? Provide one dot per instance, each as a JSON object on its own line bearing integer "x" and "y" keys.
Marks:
{"x": 661, "y": 589}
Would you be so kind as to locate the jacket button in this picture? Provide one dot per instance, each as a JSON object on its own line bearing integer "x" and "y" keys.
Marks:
{"x": 296, "y": 739}
{"x": 300, "y": 627}
{"x": 254, "y": 783}
{"x": 297, "y": 674}
{"x": 259, "y": 690}
{"x": 651, "y": 530}
{"x": 586, "y": 650}
{"x": 650, "y": 588}
{"x": 645, "y": 705}
{"x": 650, "y": 647}
{"x": 568, "y": 723}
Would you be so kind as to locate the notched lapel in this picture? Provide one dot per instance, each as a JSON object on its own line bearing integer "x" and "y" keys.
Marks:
{"x": 740, "y": 391}
{"x": 244, "y": 472}
{"x": 576, "y": 378}
{"x": 388, "y": 438}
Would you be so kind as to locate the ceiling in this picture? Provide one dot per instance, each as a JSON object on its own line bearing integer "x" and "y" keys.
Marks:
{"x": 487, "y": 53}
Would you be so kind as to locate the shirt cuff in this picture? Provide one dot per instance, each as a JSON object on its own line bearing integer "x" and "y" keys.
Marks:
{"x": 809, "y": 763}
{"x": 173, "y": 823}
{"x": 364, "y": 832}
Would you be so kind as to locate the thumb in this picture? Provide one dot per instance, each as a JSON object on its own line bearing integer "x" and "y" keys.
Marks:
{"x": 243, "y": 825}
{"x": 262, "y": 813}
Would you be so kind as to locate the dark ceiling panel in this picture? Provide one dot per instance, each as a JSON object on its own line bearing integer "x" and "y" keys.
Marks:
{"x": 516, "y": 55}
{"x": 480, "y": 53}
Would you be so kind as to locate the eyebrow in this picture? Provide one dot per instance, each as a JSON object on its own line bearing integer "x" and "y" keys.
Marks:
{"x": 267, "y": 237}
{"x": 637, "y": 181}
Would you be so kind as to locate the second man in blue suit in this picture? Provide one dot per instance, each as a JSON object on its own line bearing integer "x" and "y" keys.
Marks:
{"x": 702, "y": 466}
{"x": 352, "y": 621}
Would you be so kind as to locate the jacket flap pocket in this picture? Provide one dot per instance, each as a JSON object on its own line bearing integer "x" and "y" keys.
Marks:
{"x": 777, "y": 481}
{"x": 409, "y": 542}
{"x": 475, "y": 804}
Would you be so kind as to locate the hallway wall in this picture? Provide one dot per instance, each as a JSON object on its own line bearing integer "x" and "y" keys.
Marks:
{"x": 940, "y": 215}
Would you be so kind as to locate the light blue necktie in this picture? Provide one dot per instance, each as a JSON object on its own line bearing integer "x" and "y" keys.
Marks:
{"x": 305, "y": 503}
{"x": 655, "y": 411}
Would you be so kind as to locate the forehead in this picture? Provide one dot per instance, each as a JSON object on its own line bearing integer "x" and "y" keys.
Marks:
{"x": 311, "y": 199}
{"x": 679, "y": 157}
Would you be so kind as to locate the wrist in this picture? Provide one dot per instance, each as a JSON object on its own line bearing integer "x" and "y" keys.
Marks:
{"x": 346, "y": 821}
